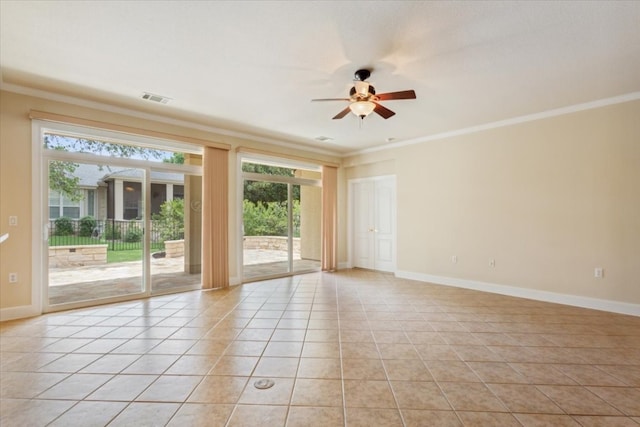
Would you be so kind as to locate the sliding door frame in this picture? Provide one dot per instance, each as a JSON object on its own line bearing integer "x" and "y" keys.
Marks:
{"x": 279, "y": 179}
{"x": 40, "y": 186}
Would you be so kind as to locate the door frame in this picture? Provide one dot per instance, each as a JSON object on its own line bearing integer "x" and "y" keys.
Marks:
{"x": 40, "y": 187}
{"x": 351, "y": 229}
{"x": 242, "y": 176}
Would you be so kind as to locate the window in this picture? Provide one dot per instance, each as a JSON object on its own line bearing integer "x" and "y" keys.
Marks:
{"x": 91, "y": 195}
{"x": 132, "y": 202}
{"x": 60, "y": 205}
{"x": 178, "y": 191}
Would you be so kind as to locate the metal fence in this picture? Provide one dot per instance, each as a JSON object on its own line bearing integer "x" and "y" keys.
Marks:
{"x": 117, "y": 234}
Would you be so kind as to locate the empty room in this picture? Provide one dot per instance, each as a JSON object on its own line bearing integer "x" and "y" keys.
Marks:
{"x": 319, "y": 213}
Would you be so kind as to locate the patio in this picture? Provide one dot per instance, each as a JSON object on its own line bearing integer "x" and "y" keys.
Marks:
{"x": 74, "y": 284}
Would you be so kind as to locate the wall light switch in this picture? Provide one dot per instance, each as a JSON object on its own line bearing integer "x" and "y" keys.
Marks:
{"x": 598, "y": 273}
{"x": 13, "y": 277}
{"x": 13, "y": 221}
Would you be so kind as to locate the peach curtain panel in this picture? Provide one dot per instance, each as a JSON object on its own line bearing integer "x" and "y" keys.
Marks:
{"x": 329, "y": 218}
{"x": 215, "y": 219}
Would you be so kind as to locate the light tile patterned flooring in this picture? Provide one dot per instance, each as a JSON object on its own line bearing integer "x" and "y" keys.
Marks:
{"x": 352, "y": 348}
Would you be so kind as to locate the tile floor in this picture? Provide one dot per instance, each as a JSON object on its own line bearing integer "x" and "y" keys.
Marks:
{"x": 352, "y": 348}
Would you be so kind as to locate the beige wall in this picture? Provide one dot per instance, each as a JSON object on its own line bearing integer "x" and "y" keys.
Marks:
{"x": 549, "y": 200}
{"x": 15, "y": 180}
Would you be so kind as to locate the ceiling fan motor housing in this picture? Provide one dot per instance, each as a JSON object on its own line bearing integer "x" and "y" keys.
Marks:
{"x": 362, "y": 75}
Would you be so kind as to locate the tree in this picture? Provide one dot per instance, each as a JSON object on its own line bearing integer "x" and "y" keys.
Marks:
{"x": 177, "y": 158}
{"x": 265, "y": 192}
{"x": 61, "y": 179}
{"x": 170, "y": 220}
{"x": 270, "y": 219}
{"x": 61, "y": 173}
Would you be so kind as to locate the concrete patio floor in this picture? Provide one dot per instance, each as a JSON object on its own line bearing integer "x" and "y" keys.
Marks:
{"x": 74, "y": 284}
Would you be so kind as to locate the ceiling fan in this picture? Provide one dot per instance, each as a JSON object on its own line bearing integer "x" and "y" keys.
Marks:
{"x": 363, "y": 99}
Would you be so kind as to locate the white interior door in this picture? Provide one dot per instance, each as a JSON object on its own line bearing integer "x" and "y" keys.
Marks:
{"x": 374, "y": 223}
{"x": 363, "y": 225}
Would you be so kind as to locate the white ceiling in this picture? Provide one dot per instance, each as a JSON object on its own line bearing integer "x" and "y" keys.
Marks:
{"x": 252, "y": 67}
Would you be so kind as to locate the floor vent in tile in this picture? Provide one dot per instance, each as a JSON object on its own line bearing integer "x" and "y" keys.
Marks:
{"x": 263, "y": 384}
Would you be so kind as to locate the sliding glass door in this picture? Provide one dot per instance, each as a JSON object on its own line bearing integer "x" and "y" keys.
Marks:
{"x": 281, "y": 211}
{"x": 266, "y": 238}
{"x": 176, "y": 232}
{"x": 120, "y": 221}
{"x": 95, "y": 231}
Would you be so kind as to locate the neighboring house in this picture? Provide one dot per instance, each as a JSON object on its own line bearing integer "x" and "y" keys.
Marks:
{"x": 115, "y": 193}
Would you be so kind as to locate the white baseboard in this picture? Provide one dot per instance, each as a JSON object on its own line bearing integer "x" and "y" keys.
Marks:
{"x": 19, "y": 312}
{"x": 573, "y": 300}
{"x": 344, "y": 265}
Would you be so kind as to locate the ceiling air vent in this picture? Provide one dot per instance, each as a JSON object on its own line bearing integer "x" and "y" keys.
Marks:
{"x": 155, "y": 98}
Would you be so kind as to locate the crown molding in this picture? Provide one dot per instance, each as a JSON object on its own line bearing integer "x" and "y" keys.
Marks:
{"x": 27, "y": 91}
{"x": 22, "y": 90}
{"x": 633, "y": 96}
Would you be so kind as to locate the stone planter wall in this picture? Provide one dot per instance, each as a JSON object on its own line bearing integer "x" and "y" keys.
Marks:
{"x": 174, "y": 248}
{"x": 77, "y": 256}
{"x": 270, "y": 243}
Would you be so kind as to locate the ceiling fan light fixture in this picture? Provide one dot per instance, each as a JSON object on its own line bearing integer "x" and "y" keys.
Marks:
{"x": 362, "y": 108}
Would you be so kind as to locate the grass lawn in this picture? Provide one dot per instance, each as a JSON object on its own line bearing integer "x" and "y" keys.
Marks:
{"x": 112, "y": 256}
{"x": 129, "y": 255}
{"x": 124, "y": 256}
{"x": 73, "y": 240}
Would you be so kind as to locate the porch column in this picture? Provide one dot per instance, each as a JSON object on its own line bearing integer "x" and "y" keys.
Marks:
{"x": 169, "y": 192}
{"x": 118, "y": 196}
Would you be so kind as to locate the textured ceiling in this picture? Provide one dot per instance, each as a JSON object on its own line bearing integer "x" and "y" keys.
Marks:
{"x": 252, "y": 67}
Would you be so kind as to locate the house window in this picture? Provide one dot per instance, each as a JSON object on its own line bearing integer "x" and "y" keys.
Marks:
{"x": 91, "y": 195}
{"x": 178, "y": 191}
{"x": 132, "y": 202}
{"x": 60, "y": 205}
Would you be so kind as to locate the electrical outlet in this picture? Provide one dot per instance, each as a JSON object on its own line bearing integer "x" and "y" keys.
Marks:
{"x": 13, "y": 277}
{"x": 598, "y": 273}
{"x": 454, "y": 259}
{"x": 13, "y": 221}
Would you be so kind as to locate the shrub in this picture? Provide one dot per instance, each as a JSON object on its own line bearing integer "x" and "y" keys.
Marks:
{"x": 112, "y": 232}
{"x": 87, "y": 225}
{"x": 133, "y": 235}
{"x": 170, "y": 221}
{"x": 64, "y": 226}
{"x": 269, "y": 219}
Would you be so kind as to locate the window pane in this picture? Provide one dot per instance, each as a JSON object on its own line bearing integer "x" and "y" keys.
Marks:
{"x": 71, "y": 212}
{"x": 267, "y": 169}
{"x": 54, "y": 198}
{"x": 178, "y": 191}
{"x": 70, "y": 203}
{"x": 110, "y": 149}
{"x": 90, "y": 202}
{"x": 132, "y": 200}
{"x": 54, "y": 212}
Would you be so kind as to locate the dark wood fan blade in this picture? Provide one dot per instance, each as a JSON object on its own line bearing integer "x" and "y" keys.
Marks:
{"x": 404, "y": 94}
{"x": 383, "y": 111}
{"x": 342, "y": 113}
{"x": 331, "y": 99}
